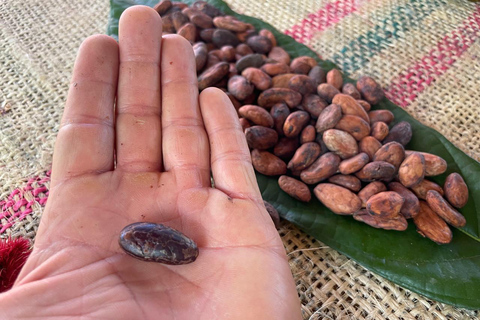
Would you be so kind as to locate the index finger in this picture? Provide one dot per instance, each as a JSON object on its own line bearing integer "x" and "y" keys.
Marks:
{"x": 230, "y": 157}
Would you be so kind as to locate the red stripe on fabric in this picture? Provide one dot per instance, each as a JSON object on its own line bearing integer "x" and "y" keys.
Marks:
{"x": 404, "y": 89}
{"x": 330, "y": 14}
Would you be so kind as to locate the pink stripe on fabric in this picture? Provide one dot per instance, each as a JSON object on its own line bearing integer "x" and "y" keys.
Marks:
{"x": 404, "y": 89}
{"x": 330, "y": 14}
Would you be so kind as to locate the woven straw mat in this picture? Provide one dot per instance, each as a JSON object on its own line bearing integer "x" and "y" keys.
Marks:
{"x": 425, "y": 55}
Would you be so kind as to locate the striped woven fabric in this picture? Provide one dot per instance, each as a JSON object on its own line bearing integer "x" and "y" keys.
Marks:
{"x": 425, "y": 54}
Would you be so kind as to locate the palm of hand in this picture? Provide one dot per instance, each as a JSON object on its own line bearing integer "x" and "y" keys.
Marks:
{"x": 77, "y": 265}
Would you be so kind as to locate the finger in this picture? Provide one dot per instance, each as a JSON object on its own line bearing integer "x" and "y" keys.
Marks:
{"x": 138, "y": 106}
{"x": 85, "y": 140}
{"x": 185, "y": 144}
{"x": 230, "y": 158}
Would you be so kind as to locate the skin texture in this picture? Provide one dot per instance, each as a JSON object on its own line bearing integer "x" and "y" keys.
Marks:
{"x": 166, "y": 139}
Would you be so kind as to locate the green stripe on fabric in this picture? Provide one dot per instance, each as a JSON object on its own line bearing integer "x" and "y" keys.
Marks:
{"x": 400, "y": 20}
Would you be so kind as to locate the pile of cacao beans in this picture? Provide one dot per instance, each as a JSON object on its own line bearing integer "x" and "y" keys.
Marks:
{"x": 316, "y": 131}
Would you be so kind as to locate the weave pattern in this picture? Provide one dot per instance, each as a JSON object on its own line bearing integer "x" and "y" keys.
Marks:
{"x": 424, "y": 53}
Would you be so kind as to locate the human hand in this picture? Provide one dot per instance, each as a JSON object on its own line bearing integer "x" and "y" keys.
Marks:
{"x": 165, "y": 140}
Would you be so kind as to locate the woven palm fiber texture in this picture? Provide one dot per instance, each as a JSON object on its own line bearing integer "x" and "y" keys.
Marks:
{"x": 425, "y": 54}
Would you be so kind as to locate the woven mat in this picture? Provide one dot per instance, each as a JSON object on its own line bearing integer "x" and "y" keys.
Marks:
{"x": 425, "y": 54}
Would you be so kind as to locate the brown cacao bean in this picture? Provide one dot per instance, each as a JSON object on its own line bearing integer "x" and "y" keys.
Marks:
{"x": 328, "y": 118}
{"x": 273, "y": 214}
{"x": 207, "y": 34}
{"x": 272, "y": 96}
{"x": 347, "y": 181}
{"x": 282, "y": 80}
{"x": 207, "y": 8}
{"x": 308, "y": 134}
{"x": 201, "y": 20}
{"x": 369, "y": 145}
{"x": 349, "y": 88}
{"x": 179, "y": 20}
{"x": 222, "y": 37}
{"x": 256, "y": 114}
{"x": 280, "y": 55}
{"x": 228, "y": 53}
{"x": 200, "y": 51}
{"x": 381, "y": 115}
{"x": 243, "y": 49}
{"x": 254, "y": 60}
{"x": 444, "y": 209}
{"x": 354, "y": 163}
{"x": 304, "y": 156}
{"x": 302, "y": 84}
{"x": 354, "y": 125}
{"x": 376, "y": 170}
{"x": 235, "y": 102}
{"x": 244, "y": 123}
{"x": 369, "y": 190}
{"x": 341, "y": 143}
{"x": 350, "y": 106}
{"x": 286, "y": 147}
{"x": 379, "y": 130}
{"x": 386, "y": 203}
{"x": 279, "y": 113}
{"x": 230, "y": 23}
{"x": 323, "y": 168}
{"x": 212, "y": 75}
{"x": 259, "y": 137}
{"x": 412, "y": 170}
{"x": 392, "y": 152}
{"x": 167, "y": 24}
{"x": 318, "y": 75}
{"x": 401, "y": 132}
{"x": 162, "y": 6}
{"x": 269, "y": 35}
{"x": 434, "y": 165}
{"x": 275, "y": 68}
{"x": 267, "y": 163}
{"x": 240, "y": 87}
{"x": 258, "y": 78}
{"x": 338, "y": 199}
{"x": 370, "y": 90}
{"x": 424, "y": 186}
{"x": 327, "y": 92}
{"x": 188, "y": 31}
{"x": 334, "y": 77}
{"x": 314, "y": 105}
{"x": 411, "y": 206}
{"x": 398, "y": 223}
{"x": 295, "y": 188}
{"x": 295, "y": 123}
{"x": 365, "y": 105}
{"x": 260, "y": 44}
{"x": 430, "y": 225}
{"x": 456, "y": 190}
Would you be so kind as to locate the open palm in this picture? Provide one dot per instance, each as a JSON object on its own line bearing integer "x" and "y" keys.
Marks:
{"x": 150, "y": 159}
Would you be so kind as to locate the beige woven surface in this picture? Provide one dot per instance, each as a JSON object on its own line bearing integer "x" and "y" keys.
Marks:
{"x": 38, "y": 45}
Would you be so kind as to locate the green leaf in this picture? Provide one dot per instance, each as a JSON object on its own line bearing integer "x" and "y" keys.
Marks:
{"x": 448, "y": 273}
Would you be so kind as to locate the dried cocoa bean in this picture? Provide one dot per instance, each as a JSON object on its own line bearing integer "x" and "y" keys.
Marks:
{"x": 282, "y": 80}
{"x": 376, "y": 170}
{"x": 188, "y": 31}
{"x": 258, "y": 78}
{"x": 302, "y": 84}
{"x": 272, "y": 96}
{"x": 349, "y": 88}
{"x": 328, "y": 118}
{"x": 201, "y": 20}
{"x": 256, "y": 114}
{"x": 254, "y": 60}
{"x": 430, "y": 225}
{"x": 346, "y": 181}
{"x": 456, "y": 190}
{"x": 222, "y": 37}
{"x": 308, "y": 134}
{"x": 162, "y": 6}
{"x": 269, "y": 35}
{"x": 267, "y": 163}
{"x": 354, "y": 125}
{"x": 386, "y": 203}
{"x": 327, "y": 92}
{"x": 243, "y": 50}
{"x": 401, "y": 132}
{"x": 200, "y": 51}
{"x": 295, "y": 188}
{"x": 381, "y": 115}
{"x": 398, "y": 223}
{"x": 228, "y": 54}
{"x": 279, "y": 113}
{"x": 424, "y": 186}
{"x": 179, "y": 20}
{"x": 302, "y": 64}
{"x": 295, "y": 123}
{"x": 230, "y": 23}
{"x": 207, "y": 8}
{"x": 167, "y": 24}
{"x": 304, "y": 156}
{"x": 412, "y": 170}
{"x": 341, "y": 143}
{"x": 379, "y": 130}
{"x": 350, "y": 106}
{"x": 275, "y": 68}
{"x": 286, "y": 147}
{"x": 369, "y": 190}
{"x": 280, "y": 55}
{"x": 240, "y": 87}
{"x": 370, "y": 90}
{"x": 369, "y": 145}
{"x": 273, "y": 213}
{"x": 207, "y": 35}
{"x": 392, "y": 152}
{"x": 260, "y": 44}
{"x": 318, "y": 75}
{"x": 338, "y": 199}
{"x": 323, "y": 168}
{"x": 212, "y": 75}
{"x": 334, "y": 77}
{"x": 444, "y": 209}
{"x": 434, "y": 165}
{"x": 259, "y": 137}
{"x": 314, "y": 105}
{"x": 365, "y": 105}
{"x": 354, "y": 163}
{"x": 411, "y": 206}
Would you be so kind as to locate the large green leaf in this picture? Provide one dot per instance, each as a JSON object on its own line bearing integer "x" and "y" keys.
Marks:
{"x": 448, "y": 273}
